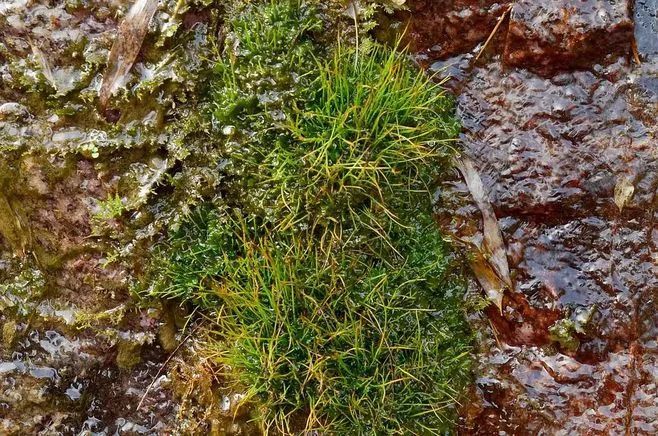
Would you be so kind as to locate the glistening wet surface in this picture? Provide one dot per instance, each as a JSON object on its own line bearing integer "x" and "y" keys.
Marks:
{"x": 77, "y": 354}
{"x": 559, "y": 116}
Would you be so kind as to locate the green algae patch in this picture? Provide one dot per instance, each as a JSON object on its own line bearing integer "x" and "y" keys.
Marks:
{"x": 22, "y": 284}
{"x": 335, "y": 304}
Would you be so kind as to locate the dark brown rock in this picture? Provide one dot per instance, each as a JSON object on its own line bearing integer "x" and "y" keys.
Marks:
{"x": 438, "y": 29}
{"x": 562, "y": 35}
{"x": 553, "y": 149}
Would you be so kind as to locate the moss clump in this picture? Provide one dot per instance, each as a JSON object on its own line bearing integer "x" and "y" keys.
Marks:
{"x": 21, "y": 285}
{"x": 8, "y": 333}
{"x": 337, "y": 305}
{"x": 110, "y": 208}
{"x": 128, "y": 354}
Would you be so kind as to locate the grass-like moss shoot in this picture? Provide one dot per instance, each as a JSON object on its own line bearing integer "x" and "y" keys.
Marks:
{"x": 336, "y": 303}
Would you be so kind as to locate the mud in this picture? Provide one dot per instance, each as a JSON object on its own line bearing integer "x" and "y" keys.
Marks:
{"x": 561, "y": 122}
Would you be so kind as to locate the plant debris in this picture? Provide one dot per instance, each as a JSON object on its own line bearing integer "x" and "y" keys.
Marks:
{"x": 126, "y": 47}
{"x": 490, "y": 263}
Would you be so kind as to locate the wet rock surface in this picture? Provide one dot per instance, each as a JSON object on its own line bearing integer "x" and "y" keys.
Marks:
{"x": 78, "y": 355}
{"x": 569, "y": 160}
{"x": 67, "y": 317}
{"x": 438, "y": 29}
{"x": 646, "y": 26}
{"x": 57, "y": 382}
{"x": 553, "y": 36}
{"x": 560, "y": 121}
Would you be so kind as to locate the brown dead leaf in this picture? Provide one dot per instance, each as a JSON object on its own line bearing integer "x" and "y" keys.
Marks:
{"x": 126, "y": 47}
{"x": 624, "y": 190}
{"x": 490, "y": 264}
{"x": 487, "y": 278}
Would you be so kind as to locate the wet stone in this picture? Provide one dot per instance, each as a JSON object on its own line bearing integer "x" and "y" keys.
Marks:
{"x": 62, "y": 308}
{"x": 439, "y": 29}
{"x": 561, "y": 123}
{"x": 551, "y": 152}
{"x": 561, "y": 35}
{"x": 564, "y": 396}
{"x": 646, "y": 27}
{"x": 55, "y": 373}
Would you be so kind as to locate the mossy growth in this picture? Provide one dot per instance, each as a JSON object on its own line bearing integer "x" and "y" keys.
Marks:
{"x": 564, "y": 333}
{"x": 110, "y": 208}
{"x": 8, "y": 333}
{"x": 21, "y": 284}
{"x": 128, "y": 354}
{"x": 337, "y": 305}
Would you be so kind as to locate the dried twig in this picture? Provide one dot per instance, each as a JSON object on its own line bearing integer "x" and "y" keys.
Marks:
{"x": 636, "y": 54}
{"x": 493, "y": 32}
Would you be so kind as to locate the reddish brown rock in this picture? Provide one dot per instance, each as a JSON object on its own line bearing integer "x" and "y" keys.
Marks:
{"x": 561, "y": 35}
{"x": 574, "y": 348}
{"x": 438, "y": 29}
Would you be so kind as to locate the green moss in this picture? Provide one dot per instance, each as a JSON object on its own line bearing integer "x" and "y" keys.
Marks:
{"x": 357, "y": 341}
{"x": 12, "y": 225}
{"x": 567, "y": 331}
{"x": 8, "y": 334}
{"x": 90, "y": 319}
{"x": 21, "y": 284}
{"x": 337, "y": 305}
{"x": 110, "y": 208}
{"x": 264, "y": 64}
{"x": 563, "y": 332}
{"x": 128, "y": 354}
